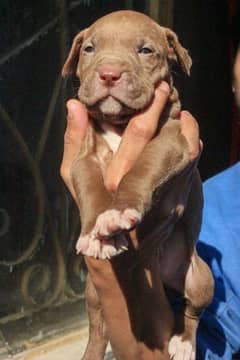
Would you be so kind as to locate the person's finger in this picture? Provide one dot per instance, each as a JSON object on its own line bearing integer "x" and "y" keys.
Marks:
{"x": 151, "y": 114}
{"x": 138, "y": 133}
{"x": 236, "y": 78}
{"x": 77, "y": 125}
{"x": 144, "y": 124}
{"x": 190, "y": 129}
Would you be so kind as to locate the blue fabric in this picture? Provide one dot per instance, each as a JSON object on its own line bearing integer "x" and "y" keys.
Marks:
{"x": 219, "y": 246}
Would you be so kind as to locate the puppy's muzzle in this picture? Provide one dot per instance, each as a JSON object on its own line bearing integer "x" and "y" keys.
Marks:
{"x": 109, "y": 75}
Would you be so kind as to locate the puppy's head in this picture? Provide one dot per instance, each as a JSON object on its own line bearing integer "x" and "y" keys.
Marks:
{"x": 119, "y": 60}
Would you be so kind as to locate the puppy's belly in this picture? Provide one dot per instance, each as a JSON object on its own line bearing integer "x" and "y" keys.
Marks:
{"x": 175, "y": 258}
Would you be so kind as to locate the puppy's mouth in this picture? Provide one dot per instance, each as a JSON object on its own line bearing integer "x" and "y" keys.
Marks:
{"x": 110, "y": 106}
{"x": 123, "y": 99}
{"x": 111, "y": 109}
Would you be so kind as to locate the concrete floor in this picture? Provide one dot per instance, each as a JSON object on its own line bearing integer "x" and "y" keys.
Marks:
{"x": 66, "y": 347}
{"x": 58, "y": 333}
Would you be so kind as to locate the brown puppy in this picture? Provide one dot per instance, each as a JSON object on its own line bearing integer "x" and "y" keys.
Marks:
{"x": 119, "y": 60}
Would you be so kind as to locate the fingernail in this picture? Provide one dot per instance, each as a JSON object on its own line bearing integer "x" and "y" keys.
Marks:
{"x": 184, "y": 113}
{"x": 163, "y": 86}
{"x": 71, "y": 108}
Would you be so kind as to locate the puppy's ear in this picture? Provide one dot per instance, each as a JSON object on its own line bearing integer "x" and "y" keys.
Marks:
{"x": 70, "y": 65}
{"x": 177, "y": 52}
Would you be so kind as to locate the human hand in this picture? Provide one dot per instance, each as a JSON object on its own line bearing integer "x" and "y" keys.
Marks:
{"x": 138, "y": 133}
{"x": 190, "y": 130}
{"x": 77, "y": 127}
{"x": 236, "y": 78}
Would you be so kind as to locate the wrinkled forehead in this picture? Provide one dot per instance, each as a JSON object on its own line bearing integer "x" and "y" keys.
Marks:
{"x": 126, "y": 28}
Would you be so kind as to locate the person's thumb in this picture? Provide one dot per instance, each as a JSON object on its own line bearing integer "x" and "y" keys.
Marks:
{"x": 77, "y": 125}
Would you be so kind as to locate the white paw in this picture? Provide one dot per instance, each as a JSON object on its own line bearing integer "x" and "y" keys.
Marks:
{"x": 181, "y": 349}
{"x": 83, "y": 243}
{"x": 113, "y": 246}
{"x": 89, "y": 245}
{"x": 113, "y": 221}
{"x": 94, "y": 248}
{"x": 98, "y": 248}
{"x": 108, "y": 250}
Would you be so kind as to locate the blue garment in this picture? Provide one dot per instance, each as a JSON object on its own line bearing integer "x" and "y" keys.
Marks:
{"x": 219, "y": 246}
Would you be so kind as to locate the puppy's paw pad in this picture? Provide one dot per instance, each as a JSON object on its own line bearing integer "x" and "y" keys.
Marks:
{"x": 112, "y": 221}
{"x": 179, "y": 349}
{"x": 131, "y": 216}
{"x": 108, "y": 222}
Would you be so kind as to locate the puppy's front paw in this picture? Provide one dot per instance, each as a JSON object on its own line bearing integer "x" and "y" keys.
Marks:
{"x": 94, "y": 248}
{"x": 83, "y": 243}
{"x": 113, "y": 246}
{"x": 113, "y": 221}
{"x": 89, "y": 245}
{"x": 108, "y": 250}
{"x": 180, "y": 349}
{"x": 101, "y": 248}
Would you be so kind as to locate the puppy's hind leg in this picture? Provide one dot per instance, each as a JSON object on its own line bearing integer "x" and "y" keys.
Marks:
{"x": 198, "y": 295}
{"x": 97, "y": 341}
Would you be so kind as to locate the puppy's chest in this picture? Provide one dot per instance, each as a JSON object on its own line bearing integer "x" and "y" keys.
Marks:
{"x": 111, "y": 137}
{"x": 106, "y": 148}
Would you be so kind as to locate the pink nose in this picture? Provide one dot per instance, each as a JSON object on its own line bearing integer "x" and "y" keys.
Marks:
{"x": 109, "y": 74}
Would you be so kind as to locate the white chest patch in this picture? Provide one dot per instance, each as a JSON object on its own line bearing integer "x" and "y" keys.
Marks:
{"x": 112, "y": 138}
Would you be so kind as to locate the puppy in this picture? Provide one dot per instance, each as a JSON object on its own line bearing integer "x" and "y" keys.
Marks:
{"x": 119, "y": 61}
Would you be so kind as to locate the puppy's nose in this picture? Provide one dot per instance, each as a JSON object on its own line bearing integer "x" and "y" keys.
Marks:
{"x": 109, "y": 74}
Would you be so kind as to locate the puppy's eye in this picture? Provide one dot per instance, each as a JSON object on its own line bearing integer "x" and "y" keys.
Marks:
{"x": 89, "y": 49}
{"x": 145, "y": 50}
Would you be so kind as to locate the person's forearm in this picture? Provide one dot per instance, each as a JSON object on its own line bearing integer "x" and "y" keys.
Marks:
{"x": 115, "y": 295}
{"x": 120, "y": 300}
